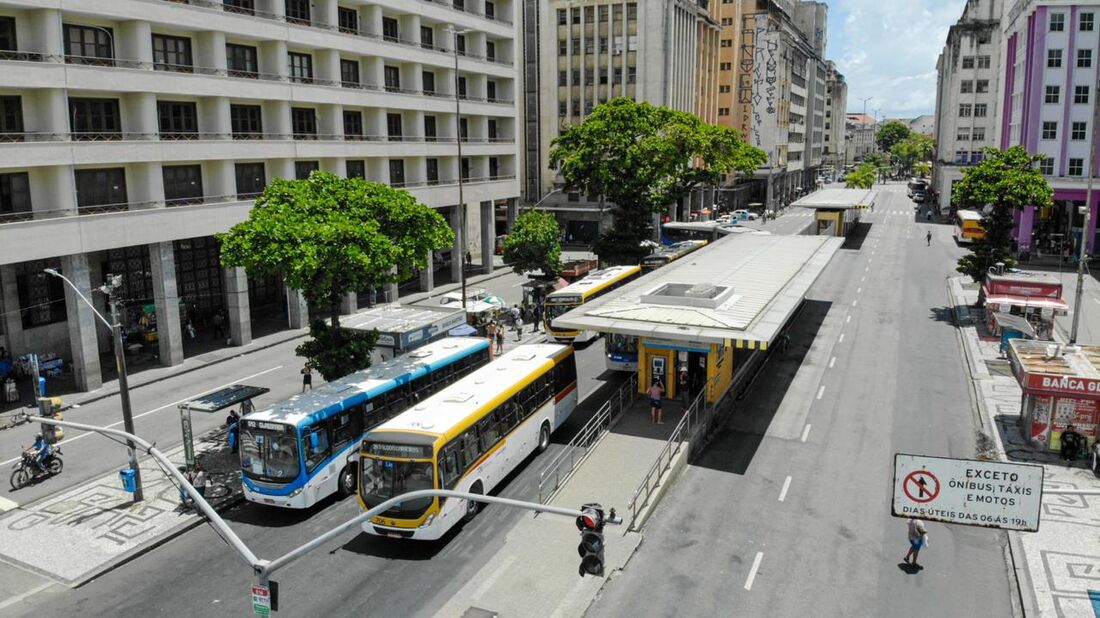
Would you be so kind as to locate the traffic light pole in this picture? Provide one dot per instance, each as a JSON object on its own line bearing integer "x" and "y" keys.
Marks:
{"x": 124, "y": 396}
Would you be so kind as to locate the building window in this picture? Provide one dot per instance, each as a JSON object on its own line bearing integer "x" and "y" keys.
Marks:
{"x": 182, "y": 184}
{"x": 962, "y": 135}
{"x": 575, "y": 16}
{"x": 966, "y": 86}
{"x": 246, "y": 121}
{"x": 981, "y": 86}
{"x": 491, "y": 127}
{"x": 297, "y": 11}
{"x": 1084, "y": 58}
{"x": 562, "y": 18}
{"x": 300, "y": 67}
{"x": 463, "y": 129}
{"x": 1046, "y": 166}
{"x": 302, "y": 169}
{"x": 88, "y": 45}
{"x": 1078, "y": 130}
{"x": 171, "y": 53}
{"x": 1057, "y": 22}
{"x": 983, "y": 62}
{"x": 724, "y": 89}
{"x": 462, "y": 86}
{"x": 727, "y": 21}
{"x": 397, "y": 172}
{"x": 430, "y": 134}
{"x": 494, "y": 167}
{"x": 464, "y": 168}
{"x": 241, "y": 60}
{"x": 563, "y": 108}
{"x": 1053, "y": 93}
{"x": 725, "y": 66}
{"x": 1076, "y": 167}
{"x": 460, "y": 44}
{"x": 100, "y": 187}
{"x": 1050, "y": 129}
{"x": 1081, "y": 95}
{"x": 980, "y": 110}
{"x": 247, "y": 7}
{"x": 964, "y": 110}
{"x": 1054, "y": 58}
{"x": 427, "y": 37}
{"x": 985, "y": 36}
{"x": 303, "y": 122}
{"x": 353, "y": 125}
{"x": 177, "y": 120}
{"x": 390, "y": 29}
{"x": 490, "y": 51}
{"x": 356, "y": 168}
{"x": 727, "y": 42}
{"x": 427, "y": 82}
{"x": 563, "y": 78}
{"x": 968, "y": 62}
{"x": 11, "y": 118}
{"x": 7, "y": 34}
{"x": 491, "y": 91}
{"x": 723, "y": 111}
{"x": 392, "y": 76}
{"x": 632, "y": 11}
{"x": 349, "y": 72}
{"x": 1086, "y": 22}
{"x": 251, "y": 180}
{"x": 431, "y": 169}
{"x": 41, "y": 297}
{"x": 93, "y": 119}
{"x": 490, "y": 10}
{"x": 348, "y": 20}
{"x": 563, "y": 47}
{"x": 979, "y": 134}
{"x": 393, "y": 127}
{"x": 15, "y": 195}
{"x": 631, "y": 75}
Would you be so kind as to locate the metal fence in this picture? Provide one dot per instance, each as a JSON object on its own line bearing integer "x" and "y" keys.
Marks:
{"x": 578, "y": 449}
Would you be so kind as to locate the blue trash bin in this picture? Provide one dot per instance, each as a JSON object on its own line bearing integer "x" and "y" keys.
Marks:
{"x": 129, "y": 483}
{"x": 41, "y": 386}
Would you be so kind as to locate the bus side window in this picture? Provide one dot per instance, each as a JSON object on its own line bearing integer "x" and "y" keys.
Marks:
{"x": 448, "y": 464}
{"x": 342, "y": 429}
{"x": 489, "y": 432}
{"x": 316, "y": 444}
{"x": 470, "y": 450}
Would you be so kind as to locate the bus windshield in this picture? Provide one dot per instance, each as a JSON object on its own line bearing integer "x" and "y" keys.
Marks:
{"x": 558, "y": 310}
{"x": 383, "y": 479}
{"x": 269, "y": 451}
{"x": 621, "y": 344}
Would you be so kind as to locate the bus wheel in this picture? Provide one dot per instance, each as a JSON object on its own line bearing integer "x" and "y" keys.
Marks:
{"x": 544, "y": 437}
{"x": 346, "y": 484}
{"x": 473, "y": 507}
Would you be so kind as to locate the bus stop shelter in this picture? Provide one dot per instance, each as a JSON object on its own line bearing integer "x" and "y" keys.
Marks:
{"x": 836, "y": 211}
{"x": 212, "y": 403}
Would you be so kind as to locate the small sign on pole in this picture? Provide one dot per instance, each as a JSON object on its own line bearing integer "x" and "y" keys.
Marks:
{"x": 261, "y": 600}
{"x": 990, "y": 494}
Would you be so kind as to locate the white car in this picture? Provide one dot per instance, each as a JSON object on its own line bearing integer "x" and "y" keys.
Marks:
{"x": 472, "y": 294}
{"x": 751, "y": 216}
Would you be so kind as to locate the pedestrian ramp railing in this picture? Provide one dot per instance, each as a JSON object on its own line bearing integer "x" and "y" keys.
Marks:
{"x": 562, "y": 467}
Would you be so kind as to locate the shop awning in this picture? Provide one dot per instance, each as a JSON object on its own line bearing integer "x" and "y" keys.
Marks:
{"x": 1027, "y": 301}
{"x": 1014, "y": 322}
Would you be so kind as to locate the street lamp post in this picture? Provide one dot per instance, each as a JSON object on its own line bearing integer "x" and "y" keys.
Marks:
{"x": 120, "y": 364}
{"x": 458, "y": 140}
{"x": 1082, "y": 256}
{"x": 863, "y": 125}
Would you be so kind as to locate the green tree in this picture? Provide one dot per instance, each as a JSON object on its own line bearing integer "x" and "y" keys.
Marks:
{"x": 922, "y": 169}
{"x": 327, "y": 237}
{"x": 1004, "y": 181}
{"x": 863, "y": 177}
{"x": 915, "y": 147}
{"x": 534, "y": 244}
{"x": 891, "y": 133}
{"x": 643, "y": 158}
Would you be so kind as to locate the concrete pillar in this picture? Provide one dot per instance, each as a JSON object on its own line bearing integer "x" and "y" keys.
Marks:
{"x": 458, "y": 253}
{"x": 488, "y": 236}
{"x": 236, "y": 305}
{"x": 82, "y": 324}
{"x": 45, "y": 33}
{"x": 214, "y": 116}
{"x": 299, "y": 312}
{"x": 350, "y": 304}
{"x": 427, "y": 275}
{"x": 162, "y": 261}
{"x": 210, "y": 50}
{"x": 132, "y": 41}
{"x": 390, "y": 290}
{"x": 9, "y": 311}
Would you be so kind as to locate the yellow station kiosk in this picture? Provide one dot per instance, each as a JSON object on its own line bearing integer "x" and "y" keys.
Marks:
{"x": 836, "y": 211}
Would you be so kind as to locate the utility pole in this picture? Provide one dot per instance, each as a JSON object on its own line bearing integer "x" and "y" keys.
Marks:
{"x": 458, "y": 135}
{"x": 1082, "y": 256}
{"x": 863, "y": 126}
{"x": 124, "y": 389}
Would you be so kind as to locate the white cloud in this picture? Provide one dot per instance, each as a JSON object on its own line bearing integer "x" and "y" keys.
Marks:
{"x": 887, "y": 49}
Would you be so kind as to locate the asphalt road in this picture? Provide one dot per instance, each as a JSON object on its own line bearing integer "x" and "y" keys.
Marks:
{"x": 770, "y": 522}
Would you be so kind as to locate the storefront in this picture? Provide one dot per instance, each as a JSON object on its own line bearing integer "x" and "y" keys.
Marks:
{"x": 1061, "y": 387}
{"x": 1036, "y": 297}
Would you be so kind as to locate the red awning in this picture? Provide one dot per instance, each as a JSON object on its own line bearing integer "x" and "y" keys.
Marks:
{"x": 1027, "y": 301}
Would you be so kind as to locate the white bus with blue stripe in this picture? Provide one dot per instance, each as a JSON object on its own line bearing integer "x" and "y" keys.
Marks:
{"x": 304, "y": 449}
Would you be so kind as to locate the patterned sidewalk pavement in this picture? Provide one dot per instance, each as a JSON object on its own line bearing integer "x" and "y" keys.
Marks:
{"x": 90, "y": 529}
{"x": 1063, "y": 558}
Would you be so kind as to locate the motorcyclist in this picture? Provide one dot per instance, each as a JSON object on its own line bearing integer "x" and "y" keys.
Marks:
{"x": 40, "y": 450}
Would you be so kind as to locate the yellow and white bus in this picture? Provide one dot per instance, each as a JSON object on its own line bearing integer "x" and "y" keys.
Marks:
{"x": 570, "y": 297}
{"x": 467, "y": 437}
{"x": 968, "y": 226}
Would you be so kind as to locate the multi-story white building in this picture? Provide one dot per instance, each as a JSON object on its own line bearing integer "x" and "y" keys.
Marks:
{"x": 131, "y": 131}
{"x": 1050, "y": 98}
{"x": 859, "y": 137}
{"x": 968, "y": 94}
{"x": 836, "y": 102}
{"x": 580, "y": 53}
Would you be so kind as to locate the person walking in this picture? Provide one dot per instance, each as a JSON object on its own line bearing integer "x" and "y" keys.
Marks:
{"x": 500, "y": 339}
{"x": 918, "y": 540}
{"x": 199, "y": 480}
{"x": 307, "y": 378}
{"x": 928, "y": 239}
{"x": 517, "y": 320}
{"x": 655, "y": 392}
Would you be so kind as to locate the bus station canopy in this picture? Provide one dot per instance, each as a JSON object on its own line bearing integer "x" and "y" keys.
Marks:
{"x": 838, "y": 199}
{"x": 742, "y": 289}
{"x": 224, "y": 398}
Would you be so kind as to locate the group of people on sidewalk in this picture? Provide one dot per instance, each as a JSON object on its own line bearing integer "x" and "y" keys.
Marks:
{"x": 515, "y": 317}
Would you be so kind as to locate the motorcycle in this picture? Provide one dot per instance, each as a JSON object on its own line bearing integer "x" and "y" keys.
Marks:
{"x": 26, "y": 470}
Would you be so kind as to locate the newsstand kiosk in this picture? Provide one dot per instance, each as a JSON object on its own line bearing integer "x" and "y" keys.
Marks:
{"x": 1061, "y": 387}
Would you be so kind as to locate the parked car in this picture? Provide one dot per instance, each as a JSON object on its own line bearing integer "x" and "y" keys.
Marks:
{"x": 919, "y": 195}
{"x": 917, "y": 183}
{"x": 745, "y": 214}
{"x": 472, "y": 294}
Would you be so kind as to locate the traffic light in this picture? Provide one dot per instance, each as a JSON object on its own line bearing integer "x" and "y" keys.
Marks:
{"x": 590, "y": 523}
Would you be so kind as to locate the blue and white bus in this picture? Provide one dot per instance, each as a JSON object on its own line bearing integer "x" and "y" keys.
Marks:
{"x": 299, "y": 451}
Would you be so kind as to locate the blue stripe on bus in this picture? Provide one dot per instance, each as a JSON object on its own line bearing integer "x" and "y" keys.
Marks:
{"x": 301, "y": 479}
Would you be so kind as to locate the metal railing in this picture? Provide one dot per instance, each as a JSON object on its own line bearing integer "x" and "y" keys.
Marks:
{"x": 695, "y": 416}
{"x": 578, "y": 449}
{"x": 78, "y": 136}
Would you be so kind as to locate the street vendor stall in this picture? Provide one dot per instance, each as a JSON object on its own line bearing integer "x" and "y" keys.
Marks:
{"x": 1061, "y": 387}
{"x": 1036, "y": 297}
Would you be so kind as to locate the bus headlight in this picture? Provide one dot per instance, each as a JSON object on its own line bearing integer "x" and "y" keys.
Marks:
{"x": 428, "y": 521}
{"x": 297, "y": 491}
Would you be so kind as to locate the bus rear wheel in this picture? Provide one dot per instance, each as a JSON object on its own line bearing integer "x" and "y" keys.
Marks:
{"x": 473, "y": 507}
{"x": 346, "y": 484}
{"x": 544, "y": 437}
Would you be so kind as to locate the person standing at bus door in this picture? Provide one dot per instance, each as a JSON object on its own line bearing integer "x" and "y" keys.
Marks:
{"x": 307, "y": 378}
{"x": 231, "y": 427}
{"x": 656, "y": 391}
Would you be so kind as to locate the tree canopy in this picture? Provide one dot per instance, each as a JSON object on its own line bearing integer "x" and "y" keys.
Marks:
{"x": 863, "y": 177}
{"x": 911, "y": 150}
{"x": 891, "y": 133}
{"x": 327, "y": 237}
{"x": 1004, "y": 181}
{"x": 534, "y": 244}
{"x": 642, "y": 158}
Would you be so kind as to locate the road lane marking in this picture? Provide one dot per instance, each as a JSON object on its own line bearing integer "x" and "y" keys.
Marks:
{"x": 832, "y": 361}
{"x": 859, "y": 290}
{"x": 847, "y": 319}
{"x": 820, "y": 391}
{"x": 863, "y": 278}
{"x": 7, "y": 505}
{"x": 841, "y": 338}
{"x": 174, "y": 403}
{"x": 806, "y": 432}
{"x": 752, "y": 571}
{"x": 786, "y": 486}
{"x": 855, "y": 302}
{"x": 30, "y": 593}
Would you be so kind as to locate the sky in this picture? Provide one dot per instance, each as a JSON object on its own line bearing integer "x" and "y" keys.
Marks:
{"x": 887, "y": 50}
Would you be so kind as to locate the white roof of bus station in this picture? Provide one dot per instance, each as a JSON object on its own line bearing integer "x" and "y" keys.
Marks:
{"x": 760, "y": 281}
{"x": 838, "y": 199}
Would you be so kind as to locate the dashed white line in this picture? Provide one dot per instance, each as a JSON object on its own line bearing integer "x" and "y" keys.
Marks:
{"x": 847, "y": 319}
{"x": 840, "y": 339}
{"x": 752, "y": 571}
{"x": 855, "y": 302}
{"x": 783, "y": 492}
{"x": 820, "y": 391}
{"x": 832, "y": 361}
{"x": 863, "y": 278}
{"x": 859, "y": 290}
{"x": 806, "y": 432}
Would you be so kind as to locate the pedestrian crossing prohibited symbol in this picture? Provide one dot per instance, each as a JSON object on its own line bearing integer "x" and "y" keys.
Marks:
{"x": 921, "y": 486}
